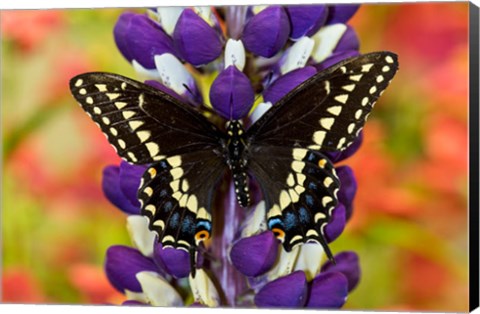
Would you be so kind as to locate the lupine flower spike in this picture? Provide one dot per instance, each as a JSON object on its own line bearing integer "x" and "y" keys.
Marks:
{"x": 261, "y": 237}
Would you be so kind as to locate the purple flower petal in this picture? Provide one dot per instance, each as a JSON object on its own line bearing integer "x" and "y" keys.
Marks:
{"x": 346, "y": 263}
{"x": 335, "y": 58}
{"x": 113, "y": 192}
{"x": 255, "y": 255}
{"x": 289, "y": 291}
{"x": 195, "y": 40}
{"x": 133, "y": 303}
{"x": 305, "y": 20}
{"x": 139, "y": 38}
{"x": 328, "y": 291}
{"x": 122, "y": 263}
{"x": 349, "y": 41}
{"x": 337, "y": 223}
{"x": 120, "y": 33}
{"x": 341, "y": 13}
{"x": 348, "y": 188}
{"x": 232, "y": 94}
{"x": 337, "y": 156}
{"x": 175, "y": 261}
{"x": 267, "y": 32}
{"x": 130, "y": 176}
{"x": 286, "y": 83}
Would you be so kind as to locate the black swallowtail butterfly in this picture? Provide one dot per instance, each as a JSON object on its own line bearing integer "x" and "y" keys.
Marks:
{"x": 187, "y": 154}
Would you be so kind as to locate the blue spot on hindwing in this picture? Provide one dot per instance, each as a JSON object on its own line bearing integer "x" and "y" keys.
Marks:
{"x": 272, "y": 222}
{"x": 204, "y": 224}
{"x": 163, "y": 165}
{"x": 311, "y": 157}
{"x": 291, "y": 221}
{"x": 309, "y": 200}
{"x": 304, "y": 215}
{"x": 188, "y": 225}
{"x": 174, "y": 220}
{"x": 167, "y": 206}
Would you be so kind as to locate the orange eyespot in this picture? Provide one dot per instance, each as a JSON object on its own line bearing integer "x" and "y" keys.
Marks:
{"x": 279, "y": 233}
{"x": 322, "y": 163}
{"x": 152, "y": 172}
{"x": 202, "y": 235}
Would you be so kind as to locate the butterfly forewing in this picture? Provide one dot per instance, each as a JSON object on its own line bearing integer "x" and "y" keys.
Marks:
{"x": 328, "y": 111}
{"x": 142, "y": 123}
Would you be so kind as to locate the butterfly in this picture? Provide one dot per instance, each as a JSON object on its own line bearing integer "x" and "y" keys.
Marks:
{"x": 283, "y": 151}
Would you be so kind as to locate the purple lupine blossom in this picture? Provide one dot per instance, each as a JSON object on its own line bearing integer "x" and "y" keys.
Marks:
{"x": 263, "y": 53}
{"x": 196, "y": 42}
{"x": 287, "y": 82}
{"x": 306, "y": 19}
{"x": 139, "y": 38}
{"x": 120, "y": 184}
{"x": 341, "y": 13}
{"x": 267, "y": 32}
{"x": 232, "y": 94}
{"x": 255, "y": 255}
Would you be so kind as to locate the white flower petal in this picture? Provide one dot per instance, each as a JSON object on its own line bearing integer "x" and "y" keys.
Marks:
{"x": 142, "y": 237}
{"x": 310, "y": 259}
{"x": 259, "y": 110}
{"x": 168, "y": 18}
{"x": 258, "y": 8}
{"x": 297, "y": 55}
{"x": 285, "y": 263}
{"x": 235, "y": 54}
{"x": 173, "y": 73}
{"x": 136, "y": 296}
{"x": 255, "y": 222}
{"x": 150, "y": 73}
{"x": 203, "y": 289}
{"x": 206, "y": 14}
{"x": 326, "y": 39}
{"x": 157, "y": 290}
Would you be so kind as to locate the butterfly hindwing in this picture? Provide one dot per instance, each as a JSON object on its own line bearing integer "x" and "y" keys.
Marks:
{"x": 176, "y": 195}
{"x": 142, "y": 123}
{"x": 300, "y": 188}
{"x": 328, "y": 111}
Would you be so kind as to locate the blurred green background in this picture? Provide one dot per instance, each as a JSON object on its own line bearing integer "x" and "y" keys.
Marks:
{"x": 410, "y": 219}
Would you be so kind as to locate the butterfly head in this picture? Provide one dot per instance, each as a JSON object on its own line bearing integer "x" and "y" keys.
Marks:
{"x": 234, "y": 127}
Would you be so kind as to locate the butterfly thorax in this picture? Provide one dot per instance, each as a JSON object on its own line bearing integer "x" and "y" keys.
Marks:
{"x": 236, "y": 161}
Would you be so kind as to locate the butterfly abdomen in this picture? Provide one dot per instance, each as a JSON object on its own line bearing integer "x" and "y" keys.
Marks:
{"x": 237, "y": 161}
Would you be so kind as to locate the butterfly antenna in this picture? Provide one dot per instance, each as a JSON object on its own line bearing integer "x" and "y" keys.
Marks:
{"x": 189, "y": 90}
{"x": 268, "y": 78}
{"x": 204, "y": 106}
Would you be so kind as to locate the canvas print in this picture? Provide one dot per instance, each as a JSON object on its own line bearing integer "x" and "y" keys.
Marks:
{"x": 303, "y": 156}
